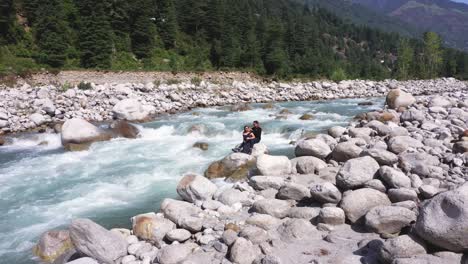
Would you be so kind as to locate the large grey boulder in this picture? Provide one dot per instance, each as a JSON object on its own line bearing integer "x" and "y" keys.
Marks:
{"x": 397, "y": 98}
{"x": 273, "y": 165}
{"x": 401, "y": 143}
{"x": 234, "y": 166}
{"x": 326, "y": 193}
{"x": 179, "y": 235}
{"x": 336, "y": 131}
{"x": 389, "y": 219}
{"x": 402, "y": 194}
{"x": 264, "y": 221}
{"x": 54, "y": 245}
{"x": 132, "y": 110}
{"x": 195, "y": 188}
{"x": 266, "y": 182}
{"x": 442, "y": 220}
{"x": 176, "y": 253}
{"x": 37, "y": 119}
{"x": 401, "y": 247}
{"x": 382, "y": 156}
{"x": 356, "y": 172}
{"x": 274, "y": 207}
{"x": 411, "y": 115}
{"x": 332, "y": 216}
{"x": 440, "y": 101}
{"x": 151, "y": 227}
{"x": 357, "y": 203}
{"x": 346, "y": 151}
{"x": 243, "y": 251}
{"x": 184, "y": 214}
{"x": 78, "y": 131}
{"x": 293, "y": 191}
{"x": 312, "y": 147}
{"x": 95, "y": 241}
{"x": 307, "y": 165}
{"x": 232, "y": 196}
{"x": 394, "y": 178}
{"x": 296, "y": 229}
{"x": 410, "y": 162}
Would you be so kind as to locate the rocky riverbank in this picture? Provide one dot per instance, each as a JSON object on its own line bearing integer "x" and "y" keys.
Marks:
{"x": 40, "y": 107}
{"x": 389, "y": 188}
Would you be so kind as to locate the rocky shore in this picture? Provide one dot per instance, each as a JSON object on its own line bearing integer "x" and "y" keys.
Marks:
{"x": 389, "y": 188}
{"x": 41, "y": 107}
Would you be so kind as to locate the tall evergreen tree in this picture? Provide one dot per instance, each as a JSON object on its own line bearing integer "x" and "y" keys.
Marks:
{"x": 51, "y": 32}
{"x": 7, "y": 19}
{"x": 432, "y": 54}
{"x": 143, "y": 28}
{"x": 95, "y": 35}
{"x": 405, "y": 57}
{"x": 167, "y": 23}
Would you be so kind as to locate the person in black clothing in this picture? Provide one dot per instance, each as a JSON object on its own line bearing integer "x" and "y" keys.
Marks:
{"x": 248, "y": 141}
{"x": 257, "y": 131}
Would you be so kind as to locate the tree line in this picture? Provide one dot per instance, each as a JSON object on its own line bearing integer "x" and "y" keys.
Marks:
{"x": 282, "y": 38}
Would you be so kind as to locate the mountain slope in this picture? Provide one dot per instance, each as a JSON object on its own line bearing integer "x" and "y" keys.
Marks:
{"x": 449, "y": 19}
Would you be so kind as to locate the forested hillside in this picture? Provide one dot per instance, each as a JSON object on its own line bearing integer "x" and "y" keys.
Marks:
{"x": 283, "y": 38}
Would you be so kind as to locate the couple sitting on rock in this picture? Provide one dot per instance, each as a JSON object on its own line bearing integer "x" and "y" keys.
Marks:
{"x": 251, "y": 136}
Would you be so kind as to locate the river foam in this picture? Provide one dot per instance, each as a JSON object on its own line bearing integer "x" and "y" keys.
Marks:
{"x": 43, "y": 187}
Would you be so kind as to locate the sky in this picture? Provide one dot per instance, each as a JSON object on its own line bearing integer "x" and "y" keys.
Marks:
{"x": 461, "y": 1}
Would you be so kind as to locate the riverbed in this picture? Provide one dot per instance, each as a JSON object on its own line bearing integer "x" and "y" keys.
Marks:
{"x": 43, "y": 187}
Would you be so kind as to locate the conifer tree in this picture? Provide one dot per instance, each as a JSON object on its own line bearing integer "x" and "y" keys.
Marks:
{"x": 95, "y": 36}
{"x": 51, "y": 33}
{"x": 405, "y": 57}
{"x": 6, "y": 21}
{"x": 167, "y": 23}
{"x": 432, "y": 54}
{"x": 143, "y": 28}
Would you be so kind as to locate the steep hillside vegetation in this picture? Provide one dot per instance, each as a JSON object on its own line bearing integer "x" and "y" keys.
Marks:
{"x": 274, "y": 37}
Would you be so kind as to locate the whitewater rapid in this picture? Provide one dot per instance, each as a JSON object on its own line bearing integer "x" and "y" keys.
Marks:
{"x": 42, "y": 187}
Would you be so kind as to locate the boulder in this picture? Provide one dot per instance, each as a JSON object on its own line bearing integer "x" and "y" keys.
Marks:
{"x": 201, "y": 145}
{"x": 184, "y": 214}
{"x": 402, "y": 194}
{"x": 195, "y": 188}
{"x": 345, "y": 151}
{"x": 412, "y": 114}
{"x": 332, "y": 216}
{"x": 132, "y": 110}
{"x": 274, "y": 207}
{"x": 409, "y": 162}
{"x": 124, "y": 129}
{"x": 296, "y": 229}
{"x": 179, "y": 235}
{"x": 78, "y": 131}
{"x": 151, "y": 227}
{"x": 357, "y": 203}
{"x": 440, "y": 101}
{"x": 307, "y": 165}
{"x": 243, "y": 252}
{"x": 382, "y": 156}
{"x": 442, "y": 220}
{"x": 401, "y": 247}
{"x": 54, "y": 245}
{"x": 397, "y": 98}
{"x": 336, "y": 131}
{"x": 175, "y": 253}
{"x": 95, "y": 241}
{"x": 266, "y": 182}
{"x": 356, "y": 172}
{"x": 273, "y": 165}
{"x": 394, "y": 178}
{"x": 389, "y": 219}
{"x": 460, "y": 147}
{"x": 306, "y": 117}
{"x": 264, "y": 221}
{"x": 293, "y": 191}
{"x": 259, "y": 149}
{"x": 235, "y": 166}
{"x": 312, "y": 147}
{"x": 232, "y": 196}
{"x": 326, "y": 193}
{"x": 37, "y": 119}
{"x": 401, "y": 143}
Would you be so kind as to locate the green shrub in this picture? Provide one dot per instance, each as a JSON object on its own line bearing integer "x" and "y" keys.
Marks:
{"x": 172, "y": 81}
{"x": 66, "y": 86}
{"x": 85, "y": 86}
{"x": 338, "y": 75}
{"x": 196, "y": 81}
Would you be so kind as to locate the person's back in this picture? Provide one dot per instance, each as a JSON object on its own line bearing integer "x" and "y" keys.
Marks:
{"x": 257, "y": 131}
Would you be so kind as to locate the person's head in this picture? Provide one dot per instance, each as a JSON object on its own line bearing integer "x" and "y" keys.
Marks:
{"x": 246, "y": 129}
{"x": 256, "y": 124}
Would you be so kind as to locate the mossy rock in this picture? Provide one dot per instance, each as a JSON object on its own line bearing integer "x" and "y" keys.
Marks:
{"x": 285, "y": 112}
{"x": 77, "y": 147}
{"x": 218, "y": 170}
{"x": 125, "y": 129}
{"x": 268, "y": 106}
{"x": 306, "y": 117}
{"x": 201, "y": 145}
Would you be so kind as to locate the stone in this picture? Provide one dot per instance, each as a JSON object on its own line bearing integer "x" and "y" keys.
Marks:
{"x": 201, "y": 145}
{"x": 124, "y": 129}
{"x": 397, "y": 98}
{"x": 376, "y": 184}
{"x": 175, "y": 253}
{"x": 37, "y": 119}
{"x": 274, "y": 207}
{"x": 229, "y": 237}
{"x": 401, "y": 143}
{"x": 306, "y": 117}
{"x": 151, "y": 227}
{"x": 394, "y": 178}
{"x": 196, "y": 188}
{"x": 356, "y": 172}
{"x": 312, "y": 147}
{"x": 296, "y": 229}
{"x": 254, "y": 234}
{"x": 132, "y": 110}
{"x": 266, "y": 182}
{"x": 402, "y": 194}
{"x": 382, "y": 156}
{"x": 345, "y": 151}
{"x": 273, "y": 165}
{"x": 326, "y": 193}
{"x": 184, "y": 214}
{"x": 53, "y": 245}
{"x": 460, "y": 147}
{"x": 440, "y": 101}
{"x": 267, "y": 222}
{"x": 332, "y": 216}
{"x": 336, "y": 131}
{"x": 401, "y": 247}
{"x": 309, "y": 213}
{"x": 84, "y": 260}
{"x": 389, "y": 219}
{"x": 307, "y": 165}
{"x": 259, "y": 149}
{"x": 442, "y": 220}
{"x": 232, "y": 196}
{"x": 243, "y": 252}
{"x": 293, "y": 191}
{"x": 409, "y": 162}
{"x": 428, "y": 191}
{"x": 357, "y": 203}
{"x": 95, "y": 241}
{"x": 233, "y": 164}
{"x": 80, "y": 132}
{"x": 412, "y": 114}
